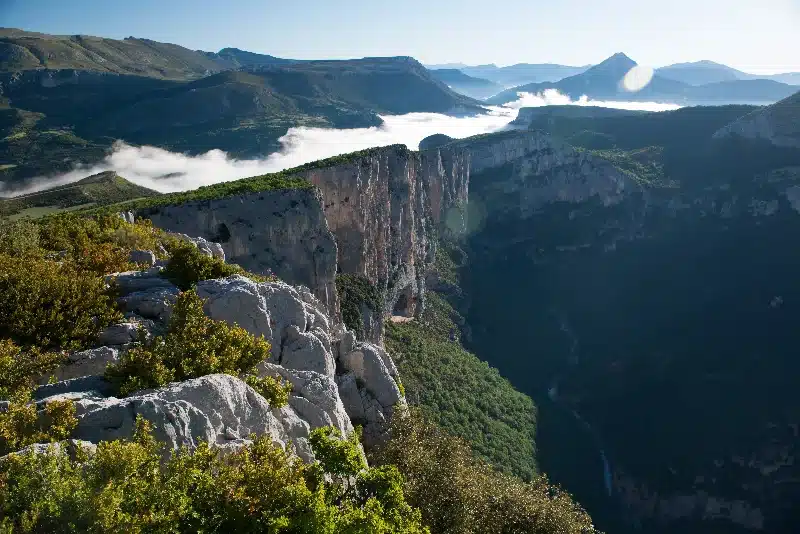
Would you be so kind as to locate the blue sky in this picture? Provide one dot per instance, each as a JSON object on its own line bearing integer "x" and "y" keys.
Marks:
{"x": 761, "y": 36}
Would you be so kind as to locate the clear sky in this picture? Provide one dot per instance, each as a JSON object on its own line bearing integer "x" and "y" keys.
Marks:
{"x": 760, "y": 36}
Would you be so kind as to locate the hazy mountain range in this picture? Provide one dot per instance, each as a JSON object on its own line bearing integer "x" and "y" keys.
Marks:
{"x": 602, "y": 82}
{"x": 694, "y": 73}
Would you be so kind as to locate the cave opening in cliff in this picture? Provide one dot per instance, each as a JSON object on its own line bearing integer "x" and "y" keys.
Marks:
{"x": 401, "y": 307}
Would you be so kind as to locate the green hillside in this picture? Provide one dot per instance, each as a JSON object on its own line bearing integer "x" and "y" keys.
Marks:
{"x": 97, "y": 190}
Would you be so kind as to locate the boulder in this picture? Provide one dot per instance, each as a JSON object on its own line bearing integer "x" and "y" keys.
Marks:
{"x": 296, "y": 326}
{"x": 119, "y": 334}
{"x": 155, "y": 303}
{"x": 69, "y": 446}
{"x": 305, "y": 351}
{"x": 127, "y": 216}
{"x": 146, "y": 257}
{"x": 314, "y": 396}
{"x": 135, "y": 281}
{"x": 84, "y": 363}
{"x": 368, "y": 363}
{"x": 364, "y": 409}
{"x": 209, "y": 248}
{"x": 219, "y": 409}
{"x": 94, "y": 386}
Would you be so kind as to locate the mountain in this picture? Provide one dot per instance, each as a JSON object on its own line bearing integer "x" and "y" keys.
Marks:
{"x": 604, "y": 82}
{"x": 466, "y": 85}
{"x": 522, "y": 73}
{"x": 701, "y": 73}
{"x": 444, "y": 66}
{"x": 706, "y": 72}
{"x": 89, "y": 91}
{"x": 779, "y": 124}
{"x": 97, "y": 190}
{"x": 792, "y": 78}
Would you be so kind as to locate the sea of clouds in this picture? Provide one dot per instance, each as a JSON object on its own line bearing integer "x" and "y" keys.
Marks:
{"x": 166, "y": 171}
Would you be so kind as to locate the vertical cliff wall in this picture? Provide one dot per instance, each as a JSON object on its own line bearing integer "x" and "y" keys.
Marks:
{"x": 383, "y": 206}
{"x": 283, "y": 230}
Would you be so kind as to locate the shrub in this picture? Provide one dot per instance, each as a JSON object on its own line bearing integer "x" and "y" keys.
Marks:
{"x": 18, "y": 238}
{"x": 273, "y": 389}
{"x": 125, "y": 487}
{"x": 101, "y": 243}
{"x": 21, "y": 425}
{"x": 188, "y": 265}
{"x": 355, "y": 292}
{"x": 458, "y": 493}
{"x": 193, "y": 346}
{"x": 18, "y": 368}
{"x": 50, "y": 304}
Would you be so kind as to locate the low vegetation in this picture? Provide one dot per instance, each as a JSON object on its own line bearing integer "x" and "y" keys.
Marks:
{"x": 423, "y": 479}
{"x": 124, "y": 486}
{"x": 458, "y": 493}
{"x": 356, "y": 293}
{"x": 193, "y": 346}
{"x": 51, "y": 304}
{"x": 458, "y": 391}
{"x": 187, "y": 266}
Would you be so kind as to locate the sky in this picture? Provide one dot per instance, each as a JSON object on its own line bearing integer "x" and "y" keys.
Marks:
{"x": 759, "y": 37}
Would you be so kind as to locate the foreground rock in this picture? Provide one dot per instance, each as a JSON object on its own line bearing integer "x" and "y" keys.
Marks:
{"x": 83, "y": 363}
{"x": 294, "y": 321}
{"x": 218, "y": 409}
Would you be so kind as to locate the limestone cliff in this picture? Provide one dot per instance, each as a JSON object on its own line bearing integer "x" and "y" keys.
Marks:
{"x": 283, "y": 231}
{"x": 382, "y": 206}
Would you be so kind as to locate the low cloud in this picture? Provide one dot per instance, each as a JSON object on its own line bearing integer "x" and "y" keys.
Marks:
{"x": 166, "y": 171}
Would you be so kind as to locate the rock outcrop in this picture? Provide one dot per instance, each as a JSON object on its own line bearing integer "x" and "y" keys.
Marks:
{"x": 219, "y": 409}
{"x": 299, "y": 331}
{"x": 280, "y": 231}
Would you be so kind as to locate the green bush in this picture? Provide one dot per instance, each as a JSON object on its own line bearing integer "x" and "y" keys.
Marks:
{"x": 356, "y": 291}
{"x": 19, "y": 238}
{"x": 19, "y": 368}
{"x": 193, "y": 346}
{"x": 460, "y": 494}
{"x": 51, "y": 304}
{"x": 187, "y": 266}
{"x": 21, "y": 425}
{"x": 275, "y": 390}
{"x": 125, "y": 487}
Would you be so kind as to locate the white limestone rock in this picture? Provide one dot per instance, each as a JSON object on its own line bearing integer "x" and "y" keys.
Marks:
{"x": 153, "y": 303}
{"x": 119, "y": 334}
{"x": 209, "y": 248}
{"x": 368, "y": 364}
{"x": 84, "y": 363}
{"x": 298, "y": 330}
{"x": 219, "y": 409}
{"x": 314, "y": 396}
{"x": 146, "y": 257}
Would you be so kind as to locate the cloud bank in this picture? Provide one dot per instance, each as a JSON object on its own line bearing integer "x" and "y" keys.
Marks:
{"x": 166, "y": 171}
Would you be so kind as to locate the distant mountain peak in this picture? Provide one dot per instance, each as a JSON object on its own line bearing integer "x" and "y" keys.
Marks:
{"x": 618, "y": 65}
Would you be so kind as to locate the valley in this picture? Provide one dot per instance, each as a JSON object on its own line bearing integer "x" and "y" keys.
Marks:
{"x": 580, "y": 320}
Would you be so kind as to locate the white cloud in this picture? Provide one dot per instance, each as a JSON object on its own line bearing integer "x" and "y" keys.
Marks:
{"x": 169, "y": 171}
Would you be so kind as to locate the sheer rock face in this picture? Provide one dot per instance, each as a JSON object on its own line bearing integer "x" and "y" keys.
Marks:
{"x": 280, "y": 231}
{"x": 383, "y": 207}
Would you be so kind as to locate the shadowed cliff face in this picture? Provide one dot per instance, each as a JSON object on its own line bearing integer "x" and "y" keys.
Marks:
{"x": 383, "y": 208}
{"x": 655, "y": 327}
{"x": 283, "y": 231}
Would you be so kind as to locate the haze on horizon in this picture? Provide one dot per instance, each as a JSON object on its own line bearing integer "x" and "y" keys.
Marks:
{"x": 753, "y": 37}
